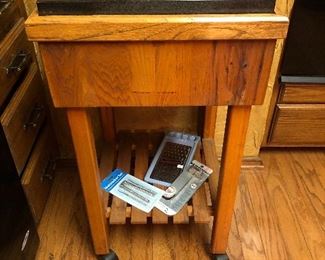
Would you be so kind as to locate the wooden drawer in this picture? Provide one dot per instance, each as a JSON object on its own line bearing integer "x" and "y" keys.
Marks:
{"x": 9, "y": 15}
{"x": 24, "y": 116}
{"x": 15, "y": 57}
{"x": 298, "y": 125}
{"x": 302, "y": 93}
{"x": 37, "y": 177}
{"x": 175, "y": 73}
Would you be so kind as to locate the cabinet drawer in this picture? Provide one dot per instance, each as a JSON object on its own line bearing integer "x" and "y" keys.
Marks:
{"x": 9, "y": 15}
{"x": 303, "y": 93}
{"x": 37, "y": 177}
{"x": 299, "y": 125}
{"x": 172, "y": 73}
{"x": 23, "y": 117}
{"x": 15, "y": 57}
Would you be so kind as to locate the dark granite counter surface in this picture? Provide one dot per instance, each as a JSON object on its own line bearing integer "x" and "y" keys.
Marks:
{"x": 89, "y": 7}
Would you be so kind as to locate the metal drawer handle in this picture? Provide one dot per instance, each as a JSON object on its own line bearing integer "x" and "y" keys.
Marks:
{"x": 19, "y": 63}
{"x": 6, "y": 5}
{"x": 35, "y": 117}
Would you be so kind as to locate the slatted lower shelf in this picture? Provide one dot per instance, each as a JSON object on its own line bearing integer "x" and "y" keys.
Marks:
{"x": 133, "y": 153}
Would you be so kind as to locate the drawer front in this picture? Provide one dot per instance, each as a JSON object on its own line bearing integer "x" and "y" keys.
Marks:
{"x": 299, "y": 125}
{"x": 90, "y": 74}
{"x": 9, "y": 15}
{"x": 15, "y": 58}
{"x": 303, "y": 93}
{"x": 24, "y": 116}
{"x": 37, "y": 177}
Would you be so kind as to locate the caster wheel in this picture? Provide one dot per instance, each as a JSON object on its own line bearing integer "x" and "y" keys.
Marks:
{"x": 220, "y": 257}
{"x": 110, "y": 256}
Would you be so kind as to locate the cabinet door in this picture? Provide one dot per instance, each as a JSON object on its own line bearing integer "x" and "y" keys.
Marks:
{"x": 298, "y": 125}
{"x": 23, "y": 117}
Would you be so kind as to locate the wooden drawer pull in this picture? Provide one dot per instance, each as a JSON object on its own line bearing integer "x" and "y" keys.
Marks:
{"x": 4, "y": 5}
{"x": 19, "y": 63}
{"x": 35, "y": 117}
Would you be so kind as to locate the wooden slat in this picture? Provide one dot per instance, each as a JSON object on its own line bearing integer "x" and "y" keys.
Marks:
{"x": 141, "y": 166}
{"x": 211, "y": 160}
{"x": 157, "y": 216}
{"x": 155, "y": 27}
{"x": 106, "y": 166}
{"x": 182, "y": 216}
{"x": 200, "y": 206}
{"x": 118, "y": 209}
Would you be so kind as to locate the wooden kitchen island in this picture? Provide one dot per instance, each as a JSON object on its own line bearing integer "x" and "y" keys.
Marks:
{"x": 111, "y": 61}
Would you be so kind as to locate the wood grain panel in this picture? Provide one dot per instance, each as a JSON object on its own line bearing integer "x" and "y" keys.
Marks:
{"x": 24, "y": 116}
{"x": 155, "y": 27}
{"x": 302, "y": 93}
{"x": 183, "y": 119}
{"x": 298, "y": 125}
{"x": 243, "y": 69}
{"x": 129, "y": 74}
{"x": 157, "y": 73}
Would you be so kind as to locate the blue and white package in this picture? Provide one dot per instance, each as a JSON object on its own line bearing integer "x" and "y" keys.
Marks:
{"x": 132, "y": 190}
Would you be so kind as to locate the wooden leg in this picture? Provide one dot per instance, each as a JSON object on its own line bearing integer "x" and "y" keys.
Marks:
{"x": 210, "y": 117}
{"x": 108, "y": 123}
{"x": 233, "y": 147}
{"x": 83, "y": 140}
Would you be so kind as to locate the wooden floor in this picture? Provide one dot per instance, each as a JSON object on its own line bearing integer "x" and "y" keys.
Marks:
{"x": 279, "y": 214}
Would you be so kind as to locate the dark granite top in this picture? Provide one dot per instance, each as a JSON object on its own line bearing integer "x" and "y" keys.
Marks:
{"x": 88, "y": 7}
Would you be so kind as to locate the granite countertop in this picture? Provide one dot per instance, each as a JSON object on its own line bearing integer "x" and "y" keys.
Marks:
{"x": 89, "y": 7}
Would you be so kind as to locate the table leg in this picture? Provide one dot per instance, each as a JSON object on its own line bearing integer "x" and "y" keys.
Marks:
{"x": 108, "y": 123}
{"x": 83, "y": 140}
{"x": 233, "y": 147}
{"x": 210, "y": 118}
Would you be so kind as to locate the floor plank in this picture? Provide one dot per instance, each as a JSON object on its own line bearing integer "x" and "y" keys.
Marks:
{"x": 289, "y": 226}
{"x": 266, "y": 218}
{"x": 245, "y": 218}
